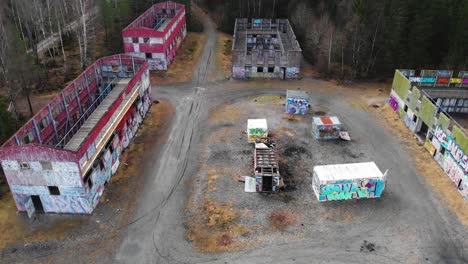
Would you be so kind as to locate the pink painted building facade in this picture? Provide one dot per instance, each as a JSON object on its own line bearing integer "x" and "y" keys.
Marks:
{"x": 61, "y": 159}
{"x": 157, "y": 34}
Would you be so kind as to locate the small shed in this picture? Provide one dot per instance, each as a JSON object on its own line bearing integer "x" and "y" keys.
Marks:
{"x": 348, "y": 181}
{"x": 326, "y": 127}
{"x": 256, "y": 129}
{"x": 297, "y": 102}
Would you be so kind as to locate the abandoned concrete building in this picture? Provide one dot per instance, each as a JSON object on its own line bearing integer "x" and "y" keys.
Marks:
{"x": 265, "y": 48}
{"x": 157, "y": 34}
{"x": 434, "y": 105}
{"x": 62, "y": 158}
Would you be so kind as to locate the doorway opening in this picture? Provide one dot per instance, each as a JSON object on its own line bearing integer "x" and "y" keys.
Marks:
{"x": 37, "y": 203}
{"x": 267, "y": 182}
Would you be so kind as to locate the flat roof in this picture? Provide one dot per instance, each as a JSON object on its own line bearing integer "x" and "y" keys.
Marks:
{"x": 326, "y": 120}
{"x": 90, "y": 123}
{"x": 297, "y": 94}
{"x": 352, "y": 171}
{"x": 257, "y": 123}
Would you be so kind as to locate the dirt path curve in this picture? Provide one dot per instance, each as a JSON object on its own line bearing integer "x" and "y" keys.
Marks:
{"x": 161, "y": 204}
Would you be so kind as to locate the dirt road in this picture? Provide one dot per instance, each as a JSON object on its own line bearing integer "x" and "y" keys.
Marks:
{"x": 408, "y": 225}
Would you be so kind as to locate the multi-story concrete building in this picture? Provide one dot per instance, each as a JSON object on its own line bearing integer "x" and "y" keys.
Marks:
{"x": 62, "y": 158}
{"x": 157, "y": 34}
{"x": 265, "y": 48}
{"x": 426, "y": 101}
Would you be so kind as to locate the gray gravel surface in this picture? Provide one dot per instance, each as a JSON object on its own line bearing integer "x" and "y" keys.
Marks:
{"x": 407, "y": 225}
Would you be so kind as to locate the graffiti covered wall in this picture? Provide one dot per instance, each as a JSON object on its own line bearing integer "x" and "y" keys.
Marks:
{"x": 292, "y": 73}
{"x": 257, "y": 133}
{"x": 297, "y": 106}
{"x": 349, "y": 189}
{"x": 238, "y": 72}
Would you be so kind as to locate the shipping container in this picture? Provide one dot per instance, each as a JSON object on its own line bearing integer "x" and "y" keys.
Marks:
{"x": 348, "y": 181}
{"x": 257, "y": 129}
{"x": 326, "y": 127}
{"x": 297, "y": 102}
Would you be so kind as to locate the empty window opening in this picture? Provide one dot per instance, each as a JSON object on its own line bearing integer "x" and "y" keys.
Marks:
{"x": 424, "y": 130}
{"x": 271, "y": 69}
{"x": 405, "y": 108}
{"x": 135, "y": 40}
{"x": 145, "y": 40}
{"x": 415, "y": 118}
{"x": 46, "y": 165}
{"x": 149, "y": 55}
{"x": 87, "y": 179}
{"x": 267, "y": 183}
{"x": 259, "y": 69}
{"x": 442, "y": 151}
{"x": 54, "y": 190}
{"x": 24, "y": 165}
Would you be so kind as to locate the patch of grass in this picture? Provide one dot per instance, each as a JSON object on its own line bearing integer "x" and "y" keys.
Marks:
{"x": 267, "y": 99}
{"x": 219, "y": 215}
{"x": 181, "y": 69}
{"x": 281, "y": 220}
{"x": 214, "y": 227}
{"x": 229, "y": 113}
{"x": 224, "y": 55}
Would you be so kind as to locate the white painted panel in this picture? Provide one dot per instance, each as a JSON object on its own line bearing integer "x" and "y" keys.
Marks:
{"x": 330, "y": 173}
{"x": 10, "y": 165}
{"x": 29, "y": 190}
{"x": 158, "y": 56}
{"x": 156, "y": 41}
{"x": 35, "y": 165}
{"x": 127, "y": 40}
{"x": 136, "y": 47}
{"x": 73, "y": 191}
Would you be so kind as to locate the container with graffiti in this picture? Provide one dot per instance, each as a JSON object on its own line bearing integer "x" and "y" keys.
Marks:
{"x": 257, "y": 129}
{"x": 326, "y": 127}
{"x": 348, "y": 181}
{"x": 297, "y": 102}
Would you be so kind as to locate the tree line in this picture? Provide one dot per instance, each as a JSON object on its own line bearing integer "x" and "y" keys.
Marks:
{"x": 41, "y": 38}
{"x": 365, "y": 38}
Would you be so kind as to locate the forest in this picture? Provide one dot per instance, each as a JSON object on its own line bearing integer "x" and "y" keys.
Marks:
{"x": 360, "y": 39}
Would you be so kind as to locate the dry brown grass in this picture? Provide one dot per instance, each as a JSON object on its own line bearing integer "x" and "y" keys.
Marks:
{"x": 281, "y": 220}
{"x": 187, "y": 57}
{"x": 268, "y": 99}
{"x": 286, "y": 131}
{"x": 426, "y": 165}
{"x": 214, "y": 227}
{"x": 228, "y": 113}
{"x": 224, "y": 54}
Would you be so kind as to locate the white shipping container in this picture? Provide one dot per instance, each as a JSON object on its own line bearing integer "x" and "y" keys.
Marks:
{"x": 348, "y": 181}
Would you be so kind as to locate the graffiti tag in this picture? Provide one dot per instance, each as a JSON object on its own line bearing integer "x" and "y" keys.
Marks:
{"x": 393, "y": 103}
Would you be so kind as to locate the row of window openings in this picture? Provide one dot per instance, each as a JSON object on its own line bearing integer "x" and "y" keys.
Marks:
{"x": 45, "y": 122}
{"x": 145, "y": 40}
{"x": 46, "y": 165}
{"x": 260, "y": 69}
